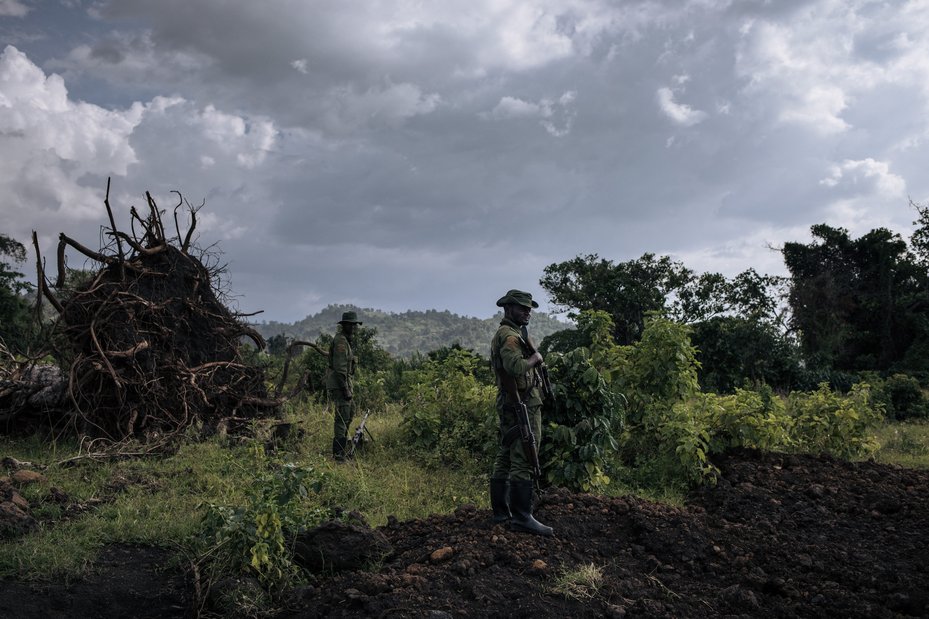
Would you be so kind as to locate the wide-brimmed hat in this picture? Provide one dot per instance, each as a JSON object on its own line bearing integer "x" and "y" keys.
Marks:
{"x": 351, "y": 317}
{"x": 517, "y": 297}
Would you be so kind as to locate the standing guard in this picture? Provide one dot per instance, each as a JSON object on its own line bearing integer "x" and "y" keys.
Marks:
{"x": 339, "y": 377}
{"x": 519, "y": 406}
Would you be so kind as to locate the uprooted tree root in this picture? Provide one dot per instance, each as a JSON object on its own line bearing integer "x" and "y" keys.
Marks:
{"x": 145, "y": 344}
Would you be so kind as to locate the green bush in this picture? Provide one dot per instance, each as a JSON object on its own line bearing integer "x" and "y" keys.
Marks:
{"x": 251, "y": 538}
{"x": 450, "y": 417}
{"x": 580, "y": 424}
{"x": 904, "y": 398}
{"x": 753, "y": 419}
{"x": 826, "y": 421}
{"x": 668, "y": 434}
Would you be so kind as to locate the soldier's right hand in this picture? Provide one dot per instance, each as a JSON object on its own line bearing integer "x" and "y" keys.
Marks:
{"x": 348, "y": 394}
{"x": 535, "y": 359}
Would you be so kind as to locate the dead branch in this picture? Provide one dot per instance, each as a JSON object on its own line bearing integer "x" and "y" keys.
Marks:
{"x": 286, "y": 369}
{"x": 93, "y": 255}
{"x": 109, "y": 212}
{"x": 41, "y": 282}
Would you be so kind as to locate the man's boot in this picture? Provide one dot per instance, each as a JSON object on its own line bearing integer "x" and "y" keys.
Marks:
{"x": 500, "y": 499}
{"x": 521, "y": 506}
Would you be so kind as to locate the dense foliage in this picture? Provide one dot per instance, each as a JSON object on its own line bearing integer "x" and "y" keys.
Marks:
{"x": 851, "y": 309}
{"x": 450, "y": 417}
{"x": 580, "y": 424}
{"x": 672, "y": 428}
{"x": 858, "y": 304}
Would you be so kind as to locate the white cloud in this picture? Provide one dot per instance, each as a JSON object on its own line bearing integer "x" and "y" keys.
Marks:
{"x": 555, "y": 115}
{"x": 301, "y": 65}
{"x": 681, "y": 113}
{"x": 13, "y": 8}
{"x": 867, "y": 175}
{"x": 48, "y": 143}
{"x": 57, "y": 153}
{"x": 248, "y": 142}
{"x": 512, "y": 107}
{"x": 819, "y": 108}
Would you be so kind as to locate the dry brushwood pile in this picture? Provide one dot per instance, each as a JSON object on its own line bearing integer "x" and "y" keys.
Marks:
{"x": 145, "y": 345}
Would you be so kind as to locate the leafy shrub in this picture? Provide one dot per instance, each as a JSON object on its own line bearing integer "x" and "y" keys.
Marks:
{"x": 450, "y": 417}
{"x": 827, "y": 421}
{"x": 753, "y": 419}
{"x": 579, "y": 425}
{"x": 672, "y": 428}
{"x": 251, "y": 538}
{"x": 668, "y": 431}
{"x": 904, "y": 397}
{"x": 370, "y": 390}
{"x": 659, "y": 371}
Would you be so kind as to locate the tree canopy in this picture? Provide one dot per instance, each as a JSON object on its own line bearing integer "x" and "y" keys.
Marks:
{"x": 857, "y": 304}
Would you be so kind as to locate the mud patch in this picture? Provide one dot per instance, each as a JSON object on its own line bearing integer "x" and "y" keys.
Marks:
{"x": 126, "y": 581}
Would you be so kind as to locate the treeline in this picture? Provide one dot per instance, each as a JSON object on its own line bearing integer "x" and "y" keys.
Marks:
{"x": 404, "y": 334}
{"x": 850, "y": 310}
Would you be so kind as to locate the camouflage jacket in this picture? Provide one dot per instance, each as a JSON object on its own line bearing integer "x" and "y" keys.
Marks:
{"x": 341, "y": 364}
{"x": 508, "y": 353}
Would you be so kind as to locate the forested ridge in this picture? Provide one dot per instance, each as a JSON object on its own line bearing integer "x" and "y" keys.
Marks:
{"x": 405, "y": 333}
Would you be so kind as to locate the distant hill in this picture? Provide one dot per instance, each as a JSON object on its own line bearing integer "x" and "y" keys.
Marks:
{"x": 413, "y": 331}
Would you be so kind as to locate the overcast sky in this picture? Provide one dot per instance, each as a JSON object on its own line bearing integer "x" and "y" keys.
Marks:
{"x": 431, "y": 155}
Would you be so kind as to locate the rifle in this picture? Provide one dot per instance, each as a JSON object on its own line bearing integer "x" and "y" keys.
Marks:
{"x": 358, "y": 438}
{"x": 522, "y": 422}
{"x": 541, "y": 370}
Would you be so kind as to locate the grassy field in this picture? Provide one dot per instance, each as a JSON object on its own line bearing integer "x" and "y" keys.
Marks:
{"x": 162, "y": 500}
{"x": 905, "y": 444}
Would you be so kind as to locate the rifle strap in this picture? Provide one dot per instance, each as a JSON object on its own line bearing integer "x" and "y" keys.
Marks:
{"x": 510, "y": 436}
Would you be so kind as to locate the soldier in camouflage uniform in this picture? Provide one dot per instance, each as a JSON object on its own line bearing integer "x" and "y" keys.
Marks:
{"x": 339, "y": 382}
{"x": 511, "y": 481}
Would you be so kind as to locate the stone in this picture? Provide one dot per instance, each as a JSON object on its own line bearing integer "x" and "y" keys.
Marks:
{"x": 23, "y": 477}
{"x": 442, "y": 554}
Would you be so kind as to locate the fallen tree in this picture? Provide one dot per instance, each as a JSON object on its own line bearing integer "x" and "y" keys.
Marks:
{"x": 145, "y": 346}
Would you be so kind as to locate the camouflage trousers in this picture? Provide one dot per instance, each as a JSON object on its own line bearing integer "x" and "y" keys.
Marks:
{"x": 344, "y": 413}
{"x": 511, "y": 461}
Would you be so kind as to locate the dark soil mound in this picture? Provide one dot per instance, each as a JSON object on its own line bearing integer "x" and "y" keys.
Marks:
{"x": 127, "y": 581}
{"x": 780, "y": 536}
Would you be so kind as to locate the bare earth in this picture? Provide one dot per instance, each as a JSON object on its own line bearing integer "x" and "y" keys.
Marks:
{"x": 780, "y": 536}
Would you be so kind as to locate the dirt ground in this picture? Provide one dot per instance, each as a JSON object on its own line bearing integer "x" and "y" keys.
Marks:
{"x": 780, "y": 536}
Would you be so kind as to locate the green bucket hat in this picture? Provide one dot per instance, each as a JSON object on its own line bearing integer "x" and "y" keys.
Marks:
{"x": 350, "y": 317}
{"x": 517, "y": 297}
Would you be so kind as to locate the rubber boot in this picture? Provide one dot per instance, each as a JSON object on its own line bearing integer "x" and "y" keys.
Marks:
{"x": 521, "y": 506}
{"x": 500, "y": 499}
{"x": 338, "y": 448}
